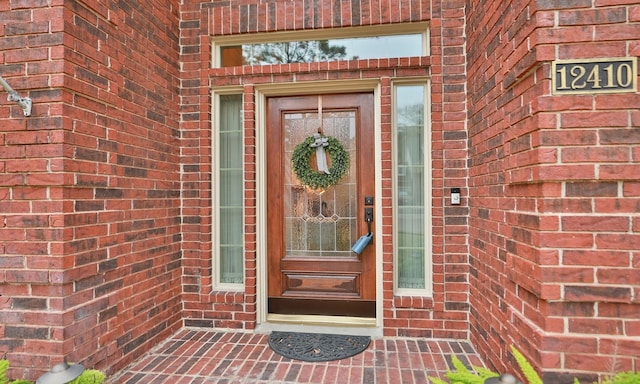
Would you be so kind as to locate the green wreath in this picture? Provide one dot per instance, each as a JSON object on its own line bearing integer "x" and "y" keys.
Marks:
{"x": 300, "y": 161}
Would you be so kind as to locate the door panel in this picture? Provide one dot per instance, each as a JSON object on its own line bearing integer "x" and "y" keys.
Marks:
{"x": 311, "y": 268}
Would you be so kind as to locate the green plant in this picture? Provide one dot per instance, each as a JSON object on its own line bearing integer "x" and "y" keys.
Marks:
{"x": 4, "y": 365}
{"x": 525, "y": 367}
{"x": 90, "y": 376}
{"x": 624, "y": 378}
{"x": 462, "y": 375}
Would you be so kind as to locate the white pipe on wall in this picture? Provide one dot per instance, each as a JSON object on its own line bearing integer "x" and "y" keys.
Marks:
{"x": 24, "y": 102}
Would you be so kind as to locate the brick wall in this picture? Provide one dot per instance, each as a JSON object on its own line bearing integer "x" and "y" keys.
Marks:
{"x": 90, "y": 183}
{"x": 554, "y": 232}
{"x": 444, "y": 315}
{"x": 105, "y": 195}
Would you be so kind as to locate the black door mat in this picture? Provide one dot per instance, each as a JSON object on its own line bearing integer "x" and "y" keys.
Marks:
{"x": 317, "y": 346}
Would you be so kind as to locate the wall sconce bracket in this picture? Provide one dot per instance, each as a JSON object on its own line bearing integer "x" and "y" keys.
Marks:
{"x": 24, "y": 102}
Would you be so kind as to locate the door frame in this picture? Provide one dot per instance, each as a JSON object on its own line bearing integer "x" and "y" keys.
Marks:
{"x": 262, "y": 92}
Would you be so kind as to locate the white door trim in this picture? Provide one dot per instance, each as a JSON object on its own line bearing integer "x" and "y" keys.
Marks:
{"x": 262, "y": 92}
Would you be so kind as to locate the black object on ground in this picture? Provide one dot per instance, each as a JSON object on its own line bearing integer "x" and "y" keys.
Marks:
{"x": 317, "y": 346}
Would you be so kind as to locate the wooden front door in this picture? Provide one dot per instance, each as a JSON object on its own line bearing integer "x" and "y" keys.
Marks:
{"x": 311, "y": 267}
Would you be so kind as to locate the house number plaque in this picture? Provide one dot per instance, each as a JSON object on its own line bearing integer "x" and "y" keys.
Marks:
{"x": 609, "y": 75}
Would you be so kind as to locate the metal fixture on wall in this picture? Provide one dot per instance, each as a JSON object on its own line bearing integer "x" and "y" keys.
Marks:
{"x": 61, "y": 374}
{"x": 505, "y": 378}
{"x": 23, "y": 102}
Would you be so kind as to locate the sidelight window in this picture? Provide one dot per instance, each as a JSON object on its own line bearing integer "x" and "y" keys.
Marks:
{"x": 412, "y": 189}
{"x": 228, "y": 192}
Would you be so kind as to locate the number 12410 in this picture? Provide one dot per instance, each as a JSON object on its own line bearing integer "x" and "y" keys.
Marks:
{"x": 602, "y": 76}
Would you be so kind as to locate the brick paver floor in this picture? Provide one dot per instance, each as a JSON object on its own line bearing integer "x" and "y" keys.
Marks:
{"x": 207, "y": 356}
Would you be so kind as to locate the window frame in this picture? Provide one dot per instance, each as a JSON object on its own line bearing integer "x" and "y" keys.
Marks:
{"x": 427, "y": 198}
{"x": 320, "y": 34}
{"x": 218, "y": 285}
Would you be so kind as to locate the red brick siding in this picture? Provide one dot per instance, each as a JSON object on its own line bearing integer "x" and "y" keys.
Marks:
{"x": 90, "y": 183}
{"x": 444, "y": 315}
{"x": 553, "y": 233}
{"x": 31, "y": 189}
{"x": 105, "y": 192}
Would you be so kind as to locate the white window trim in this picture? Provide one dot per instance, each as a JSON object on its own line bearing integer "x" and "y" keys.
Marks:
{"x": 321, "y": 34}
{"x": 428, "y": 209}
{"x": 215, "y": 193}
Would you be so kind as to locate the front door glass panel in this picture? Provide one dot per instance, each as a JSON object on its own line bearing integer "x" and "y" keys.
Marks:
{"x": 319, "y": 223}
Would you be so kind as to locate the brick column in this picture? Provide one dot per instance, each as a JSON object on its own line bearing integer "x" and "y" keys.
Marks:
{"x": 553, "y": 218}
{"x": 90, "y": 190}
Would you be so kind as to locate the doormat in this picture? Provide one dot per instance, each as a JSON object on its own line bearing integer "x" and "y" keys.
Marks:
{"x": 317, "y": 346}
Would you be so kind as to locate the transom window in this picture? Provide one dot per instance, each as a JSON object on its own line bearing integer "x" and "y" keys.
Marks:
{"x": 321, "y": 46}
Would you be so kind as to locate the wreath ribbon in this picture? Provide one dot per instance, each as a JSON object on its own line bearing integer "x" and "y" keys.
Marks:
{"x": 321, "y": 156}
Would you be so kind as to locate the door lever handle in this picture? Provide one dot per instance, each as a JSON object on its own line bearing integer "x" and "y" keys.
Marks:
{"x": 364, "y": 240}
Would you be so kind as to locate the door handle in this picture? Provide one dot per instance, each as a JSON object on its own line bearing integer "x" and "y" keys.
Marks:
{"x": 364, "y": 240}
{"x": 368, "y": 211}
